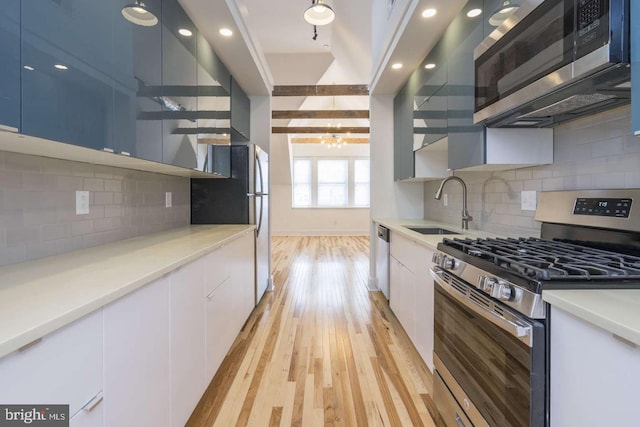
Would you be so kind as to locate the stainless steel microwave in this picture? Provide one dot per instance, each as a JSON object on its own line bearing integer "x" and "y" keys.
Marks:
{"x": 553, "y": 61}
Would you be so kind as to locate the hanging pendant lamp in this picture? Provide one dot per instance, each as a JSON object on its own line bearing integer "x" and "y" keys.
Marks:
{"x": 138, "y": 14}
{"x": 319, "y": 13}
{"x": 506, "y": 8}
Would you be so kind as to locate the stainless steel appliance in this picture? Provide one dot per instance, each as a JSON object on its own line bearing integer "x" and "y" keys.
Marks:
{"x": 553, "y": 61}
{"x": 241, "y": 199}
{"x": 491, "y": 325}
{"x": 382, "y": 260}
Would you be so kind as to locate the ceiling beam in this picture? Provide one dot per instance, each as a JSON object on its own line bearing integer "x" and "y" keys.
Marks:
{"x": 321, "y": 90}
{"x": 320, "y": 114}
{"x": 319, "y": 140}
{"x": 320, "y": 129}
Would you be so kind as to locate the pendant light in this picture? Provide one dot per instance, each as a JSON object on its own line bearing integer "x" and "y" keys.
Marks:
{"x": 319, "y": 13}
{"x": 139, "y": 14}
{"x": 506, "y": 8}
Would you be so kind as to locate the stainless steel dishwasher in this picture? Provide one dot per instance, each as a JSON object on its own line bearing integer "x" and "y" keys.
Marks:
{"x": 382, "y": 260}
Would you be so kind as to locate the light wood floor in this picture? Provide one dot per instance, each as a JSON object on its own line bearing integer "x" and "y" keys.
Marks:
{"x": 320, "y": 350}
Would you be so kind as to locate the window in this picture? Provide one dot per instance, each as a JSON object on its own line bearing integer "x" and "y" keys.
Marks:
{"x": 333, "y": 183}
{"x": 330, "y": 183}
{"x": 302, "y": 182}
{"x": 361, "y": 182}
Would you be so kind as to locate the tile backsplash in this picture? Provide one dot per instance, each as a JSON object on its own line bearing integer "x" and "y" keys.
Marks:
{"x": 591, "y": 153}
{"x": 37, "y": 205}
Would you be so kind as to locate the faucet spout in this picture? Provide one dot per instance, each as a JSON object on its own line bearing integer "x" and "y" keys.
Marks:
{"x": 465, "y": 214}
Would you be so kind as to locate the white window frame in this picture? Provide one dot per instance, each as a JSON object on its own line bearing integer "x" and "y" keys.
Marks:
{"x": 314, "y": 182}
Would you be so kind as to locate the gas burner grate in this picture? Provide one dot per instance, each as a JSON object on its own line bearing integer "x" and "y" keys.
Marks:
{"x": 550, "y": 259}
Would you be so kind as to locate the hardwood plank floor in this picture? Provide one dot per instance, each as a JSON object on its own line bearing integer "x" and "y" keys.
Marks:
{"x": 320, "y": 350}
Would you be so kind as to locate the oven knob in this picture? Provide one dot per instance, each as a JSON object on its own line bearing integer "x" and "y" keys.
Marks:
{"x": 487, "y": 284}
{"x": 448, "y": 263}
{"x": 504, "y": 292}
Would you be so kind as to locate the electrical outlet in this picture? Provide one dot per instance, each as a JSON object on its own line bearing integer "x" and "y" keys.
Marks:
{"x": 82, "y": 202}
{"x": 445, "y": 199}
{"x": 167, "y": 199}
{"x": 528, "y": 200}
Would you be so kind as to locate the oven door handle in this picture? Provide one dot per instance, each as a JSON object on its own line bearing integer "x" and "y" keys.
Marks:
{"x": 520, "y": 330}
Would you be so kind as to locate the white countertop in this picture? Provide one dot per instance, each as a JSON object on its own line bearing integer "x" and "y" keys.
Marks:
{"x": 614, "y": 310}
{"x": 40, "y": 296}
{"x": 399, "y": 226}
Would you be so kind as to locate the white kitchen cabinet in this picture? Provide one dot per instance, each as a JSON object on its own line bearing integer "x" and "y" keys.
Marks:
{"x": 137, "y": 358}
{"x": 594, "y": 375}
{"x": 228, "y": 304}
{"x": 411, "y": 292}
{"x": 188, "y": 380}
{"x": 423, "y": 304}
{"x": 64, "y": 368}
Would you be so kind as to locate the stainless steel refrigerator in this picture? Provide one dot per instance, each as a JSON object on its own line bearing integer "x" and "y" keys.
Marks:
{"x": 241, "y": 199}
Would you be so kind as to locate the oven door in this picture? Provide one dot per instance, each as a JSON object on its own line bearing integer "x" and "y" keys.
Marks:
{"x": 542, "y": 43}
{"x": 491, "y": 359}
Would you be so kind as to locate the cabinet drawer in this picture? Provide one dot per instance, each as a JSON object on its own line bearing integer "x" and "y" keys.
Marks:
{"x": 401, "y": 248}
{"x": 64, "y": 368}
{"x": 217, "y": 268}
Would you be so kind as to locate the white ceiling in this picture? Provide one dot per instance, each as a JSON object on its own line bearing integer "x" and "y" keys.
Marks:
{"x": 273, "y": 45}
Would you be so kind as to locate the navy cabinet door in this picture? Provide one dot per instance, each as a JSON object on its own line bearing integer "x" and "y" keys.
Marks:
{"x": 214, "y": 153}
{"x": 430, "y": 100}
{"x": 240, "y": 112}
{"x": 67, "y": 74}
{"x": 10, "y": 64}
{"x": 137, "y": 84}
{"x": 466, "y": 140}
{"x": 179, "y": 87}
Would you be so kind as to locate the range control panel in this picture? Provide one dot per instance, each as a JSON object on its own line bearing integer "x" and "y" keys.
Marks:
{"x": 618, "y": 208}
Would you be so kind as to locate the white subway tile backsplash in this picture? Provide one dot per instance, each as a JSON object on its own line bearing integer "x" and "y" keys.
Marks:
{"x": 597, "y": 152}
{"x": 37, "y": 205}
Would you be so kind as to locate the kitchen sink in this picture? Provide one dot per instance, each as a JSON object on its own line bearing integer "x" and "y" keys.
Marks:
{"x": 431, "y": 230}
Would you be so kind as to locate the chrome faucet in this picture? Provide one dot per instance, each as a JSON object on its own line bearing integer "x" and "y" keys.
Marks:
{"x": 465, "y": 215}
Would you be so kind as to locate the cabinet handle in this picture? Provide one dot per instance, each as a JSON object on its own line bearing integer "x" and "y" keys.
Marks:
{"x": 90, "y": 405}
{"x": 5, "y": 128}
{"x": 125, "y": 153}
{"x": 459, "y": 421}
{"x": 31, "y": 344}
{"x": 108, "y": 150}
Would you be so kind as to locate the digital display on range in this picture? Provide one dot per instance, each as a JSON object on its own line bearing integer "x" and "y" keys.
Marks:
{"x": 618, "y": 208}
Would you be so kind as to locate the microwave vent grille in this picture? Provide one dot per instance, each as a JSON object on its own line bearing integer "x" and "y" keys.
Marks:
{"x": 572, "y": 103}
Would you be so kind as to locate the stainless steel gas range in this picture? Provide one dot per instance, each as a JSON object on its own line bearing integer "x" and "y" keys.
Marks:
{"x": 491, "y": 324}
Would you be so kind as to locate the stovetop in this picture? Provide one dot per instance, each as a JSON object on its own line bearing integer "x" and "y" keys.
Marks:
{"x": 539, "y": 264}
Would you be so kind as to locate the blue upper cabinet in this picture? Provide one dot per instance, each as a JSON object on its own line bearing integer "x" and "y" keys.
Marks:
{"x": 67, "y": 83}
{"x": 240, "y": 113}
{"x": 466, "y": 140}
{"x": 179, "y": 87}
{"x": 10, "y": 64}
{"x": 137, "y": 84}
{"x": 635, "y": 67}
{"x": 430, "y": 100}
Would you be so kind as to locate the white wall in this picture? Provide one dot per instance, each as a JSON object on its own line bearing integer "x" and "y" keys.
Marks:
{"x": 261, "y": 121}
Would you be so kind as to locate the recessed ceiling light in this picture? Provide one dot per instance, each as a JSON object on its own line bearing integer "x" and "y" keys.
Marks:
{"x": 185, "y": 32}
{"x": 396, "y": 66}
{"x": 61, "y": 67}
{"x": 429, "y": 13}
{"x": 28, "y": 67}
{"x": 430, "y": 66}
{"x": 474, "y": 12}
{"x": 226, "y": 32}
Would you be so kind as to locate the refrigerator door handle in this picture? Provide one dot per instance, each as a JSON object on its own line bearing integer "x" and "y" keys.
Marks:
{"x": 260, "y": 220}
{"x": 259, "y": 175}
{"x": 251, "y": 194}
